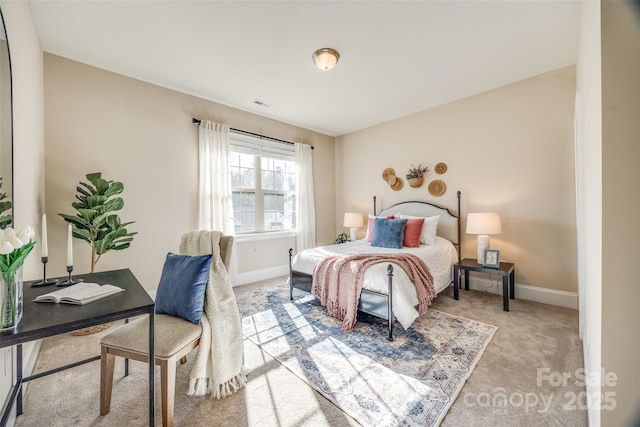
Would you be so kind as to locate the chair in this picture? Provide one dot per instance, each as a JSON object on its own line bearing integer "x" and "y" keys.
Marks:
{"x": 174, "y": 339}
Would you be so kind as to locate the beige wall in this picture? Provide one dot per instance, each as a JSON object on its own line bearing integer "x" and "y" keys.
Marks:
{"x": 608, "y": 66}
{"x": 141, "y": 134}
{"x": 509, "y": 150}
{"x": 620, "y": 207}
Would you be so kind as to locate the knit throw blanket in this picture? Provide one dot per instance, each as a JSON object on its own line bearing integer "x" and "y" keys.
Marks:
{"x": 218, "y": 365}
{"x": 337, "y": 282}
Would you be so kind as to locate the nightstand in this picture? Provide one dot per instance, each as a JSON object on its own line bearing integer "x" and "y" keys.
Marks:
{"x": 507, "y": 270}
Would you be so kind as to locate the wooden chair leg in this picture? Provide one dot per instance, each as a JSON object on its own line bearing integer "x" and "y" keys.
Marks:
{"x": 168, "y": 386}
{"x": 107, "y": 363}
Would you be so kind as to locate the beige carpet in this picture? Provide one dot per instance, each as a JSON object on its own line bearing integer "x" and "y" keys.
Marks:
{"x": 530, "y": 336}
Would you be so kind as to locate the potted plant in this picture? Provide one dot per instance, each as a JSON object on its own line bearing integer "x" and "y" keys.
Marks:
{"x": 341, "y": 238}
{"x": 415, "y": 176}
{"x": 96, "y": 223}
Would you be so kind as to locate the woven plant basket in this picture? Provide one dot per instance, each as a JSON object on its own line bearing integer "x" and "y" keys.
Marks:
{"x": 91, "y": 330}
{"x": 416, "y": 182}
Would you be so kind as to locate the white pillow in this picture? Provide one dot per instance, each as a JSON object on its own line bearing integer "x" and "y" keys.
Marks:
{"x": 429, "y": 228}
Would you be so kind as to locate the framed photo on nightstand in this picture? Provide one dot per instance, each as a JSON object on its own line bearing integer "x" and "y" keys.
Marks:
{"x": 491, "y": 258}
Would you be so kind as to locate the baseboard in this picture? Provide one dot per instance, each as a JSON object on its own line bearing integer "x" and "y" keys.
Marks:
{"x": 249, "y": 277}
{"x": 526, "y": 292}
{"x": 258, "y": 275}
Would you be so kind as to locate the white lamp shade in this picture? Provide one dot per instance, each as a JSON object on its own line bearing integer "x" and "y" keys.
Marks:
{"x": 484, "y": 223}
{"x": 353, "y": 220}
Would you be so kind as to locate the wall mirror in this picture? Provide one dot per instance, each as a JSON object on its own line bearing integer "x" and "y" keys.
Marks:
{"x": 6, "y": 131}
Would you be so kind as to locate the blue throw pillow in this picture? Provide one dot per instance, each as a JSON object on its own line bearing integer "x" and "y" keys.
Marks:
{"x": 182, "y": 286}
{"x": 388, "y": 233}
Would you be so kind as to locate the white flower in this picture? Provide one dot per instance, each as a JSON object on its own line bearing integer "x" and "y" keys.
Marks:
{"x": 6, "y": 240}
{"x": 8, "y": 233}
{"x": 25, "y": 234}
{"x": 5, "y": 247}
{"x": 10, "y": 241}
{"x": 14, "y": 248}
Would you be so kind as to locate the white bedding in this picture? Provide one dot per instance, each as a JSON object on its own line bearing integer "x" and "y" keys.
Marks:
{"x": 439, "y": 257}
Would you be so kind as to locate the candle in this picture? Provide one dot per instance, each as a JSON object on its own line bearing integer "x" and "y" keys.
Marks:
{"x": 69, "y": 247}
{"x": 45, "y": 248}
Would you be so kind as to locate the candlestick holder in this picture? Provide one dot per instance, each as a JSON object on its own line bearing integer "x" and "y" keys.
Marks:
{"x": 44, "y": 281}
{"x": 70, "y": 280}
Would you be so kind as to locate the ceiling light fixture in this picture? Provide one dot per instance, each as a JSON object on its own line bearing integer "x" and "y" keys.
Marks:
{"x": 326, "y": 58}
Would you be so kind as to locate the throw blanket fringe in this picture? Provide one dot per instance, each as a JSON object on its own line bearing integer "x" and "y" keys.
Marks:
{"x": 202, "y": 386}
{"x": 218, "y": 365}
{"x": 338, "y": 280}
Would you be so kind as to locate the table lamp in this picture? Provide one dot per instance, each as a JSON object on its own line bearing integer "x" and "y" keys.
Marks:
{"x": 483, "y": 224}
{"x": 353, "y": 221}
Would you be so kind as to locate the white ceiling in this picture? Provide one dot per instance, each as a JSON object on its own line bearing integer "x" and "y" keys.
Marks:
{"x": 396, "y": 58}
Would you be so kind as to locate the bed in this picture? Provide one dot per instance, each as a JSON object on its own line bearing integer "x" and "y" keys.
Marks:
{"x": 387, "y": 290}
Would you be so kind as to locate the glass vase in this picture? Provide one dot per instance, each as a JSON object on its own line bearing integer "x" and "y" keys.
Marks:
{"x": 11, "y": 299}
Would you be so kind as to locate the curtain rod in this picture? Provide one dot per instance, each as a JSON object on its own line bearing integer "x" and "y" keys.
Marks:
{"x": 198, "y": 121}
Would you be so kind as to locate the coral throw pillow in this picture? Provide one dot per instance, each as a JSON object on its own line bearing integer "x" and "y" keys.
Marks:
{"x": 412, "y": 232}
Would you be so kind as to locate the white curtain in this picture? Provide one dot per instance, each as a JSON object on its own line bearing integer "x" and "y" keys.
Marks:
{"x": 215, "y": 197}
{"x": 306, "y": 211}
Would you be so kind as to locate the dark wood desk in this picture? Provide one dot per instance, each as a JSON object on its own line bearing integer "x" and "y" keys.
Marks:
{"x": 507, "y": 270}
{"x": 41, "y": 320}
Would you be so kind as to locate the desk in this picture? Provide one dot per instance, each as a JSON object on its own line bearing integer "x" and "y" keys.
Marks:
{"x": 41, "y": 320}
{"x": 507, "y": 270}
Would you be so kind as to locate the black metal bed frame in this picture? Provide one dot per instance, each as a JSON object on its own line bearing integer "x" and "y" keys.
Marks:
{"x": 371, "y": 302}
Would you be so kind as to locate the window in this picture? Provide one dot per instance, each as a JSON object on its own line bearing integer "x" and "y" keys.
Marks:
{"x": 263, "y": 180}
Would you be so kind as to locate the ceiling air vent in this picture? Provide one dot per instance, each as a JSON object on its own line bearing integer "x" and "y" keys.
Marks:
{"x": 262, "y": 103}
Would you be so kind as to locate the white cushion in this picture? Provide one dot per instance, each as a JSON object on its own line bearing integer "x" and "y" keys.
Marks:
{"x": 172, "y": 334}
{"x": 429, "y": 228}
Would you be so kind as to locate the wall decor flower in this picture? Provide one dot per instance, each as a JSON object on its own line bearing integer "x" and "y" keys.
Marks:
{"x": 415, "y": 175}
{"x": 14, "y": 248}
{"x": 417, "y": 171}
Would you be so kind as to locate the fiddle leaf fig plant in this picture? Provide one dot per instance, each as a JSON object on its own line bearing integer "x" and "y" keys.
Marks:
{"x": 96, "y": 223}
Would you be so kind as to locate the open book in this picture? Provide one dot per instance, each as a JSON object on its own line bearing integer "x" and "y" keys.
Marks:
{"x": 81, "y": 294}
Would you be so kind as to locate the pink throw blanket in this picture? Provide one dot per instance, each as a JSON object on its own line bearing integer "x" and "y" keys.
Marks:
{"x": 337, "y": 282}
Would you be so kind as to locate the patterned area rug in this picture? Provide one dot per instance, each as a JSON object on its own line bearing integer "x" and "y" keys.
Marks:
{"x": 412, "y": 380}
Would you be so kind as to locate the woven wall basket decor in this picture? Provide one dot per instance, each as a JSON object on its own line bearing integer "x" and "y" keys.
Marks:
{"x": 437, "y": 187}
